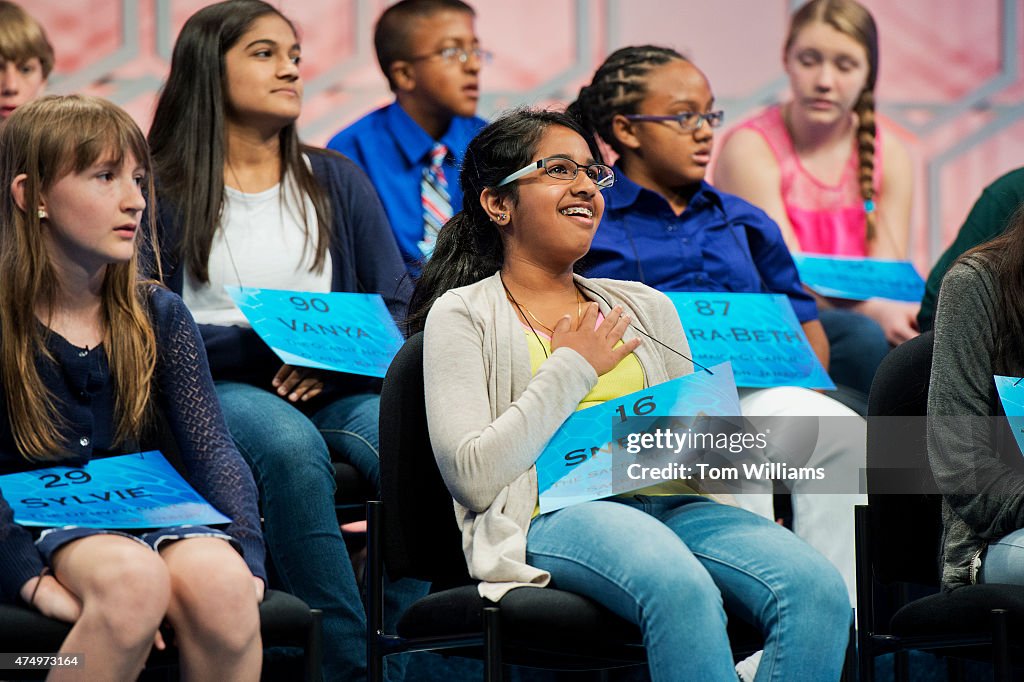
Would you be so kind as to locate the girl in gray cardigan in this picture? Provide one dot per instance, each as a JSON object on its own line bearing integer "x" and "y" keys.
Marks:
{"x": 514, "y": 342}
{"x": 977, "y": 465}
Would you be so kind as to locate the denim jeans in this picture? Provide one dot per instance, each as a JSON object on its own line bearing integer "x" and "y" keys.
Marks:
{"x": 289, "y": 457}
{"x": 1003, "y": 560}
{"x": 857, "y": 346}
{"x": 672, "y": 564}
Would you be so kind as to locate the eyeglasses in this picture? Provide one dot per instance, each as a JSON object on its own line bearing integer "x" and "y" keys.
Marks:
{"x": 561, "y": 168}
{"x": 457, "y": 54}
{"x": 688, "y": 120}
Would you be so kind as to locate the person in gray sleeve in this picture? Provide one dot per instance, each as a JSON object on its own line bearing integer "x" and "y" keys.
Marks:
{"x": 977, "y": 466}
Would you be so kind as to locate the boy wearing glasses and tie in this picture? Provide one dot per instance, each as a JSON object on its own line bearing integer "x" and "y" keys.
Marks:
{"x": 412, "y": 148}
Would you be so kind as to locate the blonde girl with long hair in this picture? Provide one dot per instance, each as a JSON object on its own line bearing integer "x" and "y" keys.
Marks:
{"x": 835, "y": 178}
{"x": 95, "y": 362}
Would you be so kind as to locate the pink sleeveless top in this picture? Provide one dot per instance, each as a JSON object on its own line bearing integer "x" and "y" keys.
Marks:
{"x": 827, "y": 219}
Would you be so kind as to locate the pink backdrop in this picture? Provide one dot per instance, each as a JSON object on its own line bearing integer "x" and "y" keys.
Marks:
{"x": 951, "y": 73}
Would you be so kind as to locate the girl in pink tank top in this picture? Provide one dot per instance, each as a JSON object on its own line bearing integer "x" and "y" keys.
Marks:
{"x": 826, "y": 218}
{"x": 814, "y": 164}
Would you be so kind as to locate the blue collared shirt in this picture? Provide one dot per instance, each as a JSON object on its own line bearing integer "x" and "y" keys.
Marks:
{"x": 393, "y": 150}
{"x": 719, "y": 243}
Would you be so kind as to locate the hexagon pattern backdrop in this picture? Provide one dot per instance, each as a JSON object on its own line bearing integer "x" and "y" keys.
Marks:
{"x": 950, "y": 81}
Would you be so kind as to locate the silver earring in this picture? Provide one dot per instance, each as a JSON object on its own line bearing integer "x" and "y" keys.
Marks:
{"x": 41, "y": 213}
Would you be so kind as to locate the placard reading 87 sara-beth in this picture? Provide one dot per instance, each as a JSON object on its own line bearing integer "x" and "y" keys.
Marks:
{"x": 343, "y": 332}
{"x": 758, "y": 333}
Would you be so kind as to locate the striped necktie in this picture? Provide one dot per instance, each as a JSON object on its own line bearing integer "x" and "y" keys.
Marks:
{"x": 437, "y": 204}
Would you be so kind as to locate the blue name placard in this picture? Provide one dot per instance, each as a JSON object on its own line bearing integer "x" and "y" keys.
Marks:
{"x": 1011, "y": 395}
{"x": 128, "y": 491}
{"x": 343, "y": 332}
{"x": 758, "y": 333}
{"x": 578, "y": 464}
{"x": 859, "y": 279}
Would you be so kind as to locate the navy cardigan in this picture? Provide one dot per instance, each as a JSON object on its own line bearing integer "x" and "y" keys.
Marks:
{"x": 80, "y": 382}
{"x": 364, "y": 258}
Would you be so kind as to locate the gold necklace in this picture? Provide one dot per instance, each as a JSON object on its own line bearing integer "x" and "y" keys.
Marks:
{"x": 549, "y": 330}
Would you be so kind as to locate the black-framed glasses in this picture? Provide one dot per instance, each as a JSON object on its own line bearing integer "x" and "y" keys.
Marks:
{"x": 688, "y": 120}
{"x": 561, "y": 168}
{"x": 454, "y": 54}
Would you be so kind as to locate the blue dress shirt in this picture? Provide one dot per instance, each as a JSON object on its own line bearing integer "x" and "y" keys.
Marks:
{"x": 393, "y": 150}
{"x": 719, "y": 243}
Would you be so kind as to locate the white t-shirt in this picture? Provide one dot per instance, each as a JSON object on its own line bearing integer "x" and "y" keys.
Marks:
{"x": 261, "y": 242}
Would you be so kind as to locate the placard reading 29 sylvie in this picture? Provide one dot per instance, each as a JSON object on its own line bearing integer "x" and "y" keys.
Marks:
{"x": 758, "y": 333}
{"x": 128, "y": 491}
{"x": 577, "y": 465}
{"x": 859, "y": 279}
{"x": 338, "y": 331}
{"x": 1011, "y": 395}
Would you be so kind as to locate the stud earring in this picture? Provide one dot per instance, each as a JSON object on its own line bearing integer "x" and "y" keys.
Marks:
{"x": 41, "y": 213}
{"x": 503, "y": 217}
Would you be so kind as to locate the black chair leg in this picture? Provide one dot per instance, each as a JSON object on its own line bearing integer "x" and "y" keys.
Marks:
{"x": 374, "y": 593}
{"x": 492, "y": 643}
{"x": 955, "y": 670}
{"x": 865, "y": 659}
{"x": 865, "y": 596}
{"x": 850, "y": 662}
{"x": 1000, "y": 647}
{"x": 314, "y": 647}
{"x": 901, "y": 666}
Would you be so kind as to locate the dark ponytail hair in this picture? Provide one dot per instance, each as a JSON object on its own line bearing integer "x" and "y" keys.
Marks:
{"x": 618, "y": 87}
{"x": 469, "y": 246}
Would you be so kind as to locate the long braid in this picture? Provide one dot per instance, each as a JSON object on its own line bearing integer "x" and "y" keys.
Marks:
{"x": 619, "y": 85}
{"x": 866, "y": 133}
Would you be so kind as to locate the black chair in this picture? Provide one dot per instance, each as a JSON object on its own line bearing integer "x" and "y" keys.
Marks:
{"x": 899, "y": 534}
{"x": 413, "y": 533}
{"x": 352, "y": 493}
{"x": 285, "y": 621}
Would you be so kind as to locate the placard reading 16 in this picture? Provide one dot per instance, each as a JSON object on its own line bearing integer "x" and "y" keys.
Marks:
{"x": 643, "y": 405}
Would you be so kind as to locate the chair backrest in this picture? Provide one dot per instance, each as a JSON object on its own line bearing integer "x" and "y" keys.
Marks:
{"x": 420, "y": 536}
{"x": 904, "y": 510}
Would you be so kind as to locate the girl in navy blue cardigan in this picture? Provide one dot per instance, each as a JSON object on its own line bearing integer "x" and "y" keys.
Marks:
{"x": 245, "y": 204}
{"x": 90, "y": 355}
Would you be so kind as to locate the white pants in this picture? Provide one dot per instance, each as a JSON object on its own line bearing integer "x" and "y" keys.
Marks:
{"x": 823, "y": 520}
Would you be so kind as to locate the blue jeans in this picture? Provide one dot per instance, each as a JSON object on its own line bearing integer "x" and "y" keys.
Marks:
{"x": 857, "y": 346}
{"x": 673, "y": 564}
{"x": 1003, "y": 560}
{"x": 289, "y": 457}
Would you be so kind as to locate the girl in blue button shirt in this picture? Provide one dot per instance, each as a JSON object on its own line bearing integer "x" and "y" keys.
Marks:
{"x": 657, "y": 111}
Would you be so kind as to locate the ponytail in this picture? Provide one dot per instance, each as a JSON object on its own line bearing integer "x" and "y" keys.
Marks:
{"x": 465, "y": 252}
{"x": 469, "y": 247}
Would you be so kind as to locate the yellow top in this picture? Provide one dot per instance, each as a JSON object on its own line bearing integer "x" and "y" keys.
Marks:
{"x": 626, "y": 377}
